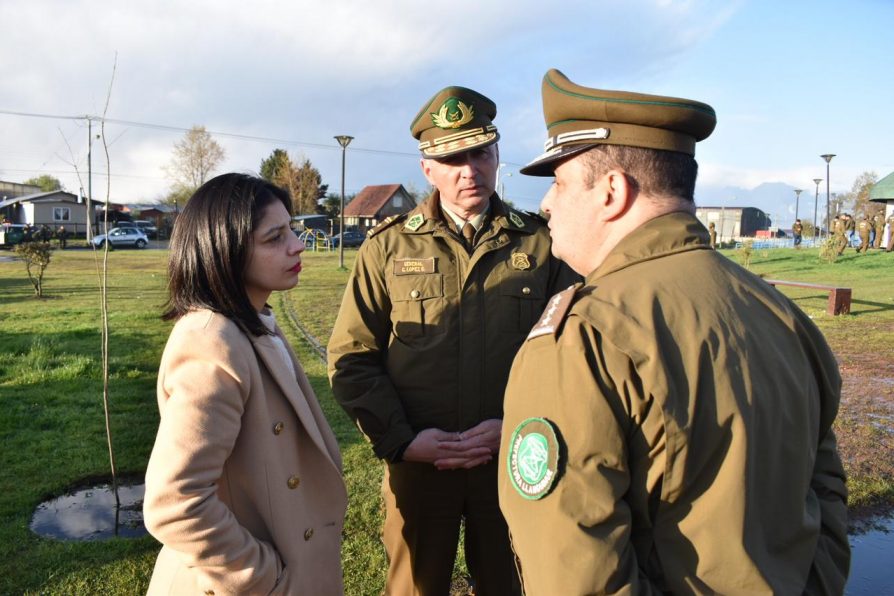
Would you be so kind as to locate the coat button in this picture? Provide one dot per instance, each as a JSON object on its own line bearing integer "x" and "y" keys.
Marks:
{"x": 277, "y": 428}
{"x": 414, "y": 294}
{"x": 293, "y": 482}
{"x": 526, "y": 290}
{"x": 308, "y": 533}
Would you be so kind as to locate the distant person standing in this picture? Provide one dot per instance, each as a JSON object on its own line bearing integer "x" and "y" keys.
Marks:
{"x": 712, "y": 230}
{"x": 850, "y": 227}
{"x": 889, "y": 234}
{"x": 863, "y": 229}
{"x": 879, "y": 228}
{"x": 797, "y": 230}
{"x": 61, "y": 235}
{"x": 838, "y": 234}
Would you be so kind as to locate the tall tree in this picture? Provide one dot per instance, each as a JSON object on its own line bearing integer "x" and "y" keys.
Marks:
{"x": 860, "y": 193}
{"x": 309, "y": 188}
{"x": 332, "y": 204}
{"x": 46, "y": 182}
{"x": 303, "y": 182}
{"x": 196, "y": 156}
{"x": 277, "y": 167}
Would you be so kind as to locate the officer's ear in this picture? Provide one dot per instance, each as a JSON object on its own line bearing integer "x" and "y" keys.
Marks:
{"x": 425, "y": 164}
{"x": 618, "y": 194}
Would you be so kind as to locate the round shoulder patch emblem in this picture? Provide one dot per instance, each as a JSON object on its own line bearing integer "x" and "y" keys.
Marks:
{"x": 533, "y": 460}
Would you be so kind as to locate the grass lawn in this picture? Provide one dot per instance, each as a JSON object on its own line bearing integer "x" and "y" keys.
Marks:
{"x": 53, "y": 438}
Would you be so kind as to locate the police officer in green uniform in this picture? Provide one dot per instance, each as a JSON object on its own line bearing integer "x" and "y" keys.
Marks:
{"x": 838, "y": 233}
{"x": 439, "y": 301}
{"x": 712, "y": 232}
{"x": 652, "y": 443}
{"x": 863, "y": 229}
{"x": 890, "y": 246}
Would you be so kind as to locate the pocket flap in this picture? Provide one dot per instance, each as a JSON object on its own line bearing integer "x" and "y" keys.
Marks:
{"x": 409, "y": 288}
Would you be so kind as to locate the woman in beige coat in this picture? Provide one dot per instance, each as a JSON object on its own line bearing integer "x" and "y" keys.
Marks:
{"x": 244, "y": 486}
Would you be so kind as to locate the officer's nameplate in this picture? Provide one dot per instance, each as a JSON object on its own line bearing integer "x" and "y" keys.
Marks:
{"x": 414, "y": 266}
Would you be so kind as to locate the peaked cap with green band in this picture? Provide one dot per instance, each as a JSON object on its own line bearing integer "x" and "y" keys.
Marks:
{"x": 456, "y": 119}
{"x": 578, "y": 118}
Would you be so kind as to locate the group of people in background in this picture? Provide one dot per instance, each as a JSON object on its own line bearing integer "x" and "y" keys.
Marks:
{"x": 590, "y": 399}
{"x": 873, "y": 232}
{"x": 45, "y": 233}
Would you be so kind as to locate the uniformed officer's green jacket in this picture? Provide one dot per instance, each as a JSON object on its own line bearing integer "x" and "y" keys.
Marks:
{"x": 426, "y": 332}
{"x": 692, "y": 406}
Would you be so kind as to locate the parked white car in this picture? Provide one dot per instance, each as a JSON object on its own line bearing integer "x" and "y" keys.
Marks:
{"x": 134, "y": 237}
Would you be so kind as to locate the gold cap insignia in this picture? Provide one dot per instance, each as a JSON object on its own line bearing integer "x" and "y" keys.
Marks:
{"x": 518, "y": 221}
{"x": 415, "y": 222}
{"x": 453, "y": 114}
{"x": 521, "y": 261}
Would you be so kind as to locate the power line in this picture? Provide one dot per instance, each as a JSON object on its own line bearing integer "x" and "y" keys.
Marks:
{"x": 232, "y": 135}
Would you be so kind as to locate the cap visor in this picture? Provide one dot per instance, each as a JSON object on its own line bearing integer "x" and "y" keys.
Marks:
{"x": 544, "y": 164}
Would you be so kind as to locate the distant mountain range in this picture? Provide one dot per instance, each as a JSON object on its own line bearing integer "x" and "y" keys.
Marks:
{"x": 776, "y": 199}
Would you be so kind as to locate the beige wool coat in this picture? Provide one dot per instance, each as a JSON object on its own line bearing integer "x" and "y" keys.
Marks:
{"x": 244, "y": 486}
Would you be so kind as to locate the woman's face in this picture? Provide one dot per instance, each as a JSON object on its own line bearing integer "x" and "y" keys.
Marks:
{"x": 275, "y": 259}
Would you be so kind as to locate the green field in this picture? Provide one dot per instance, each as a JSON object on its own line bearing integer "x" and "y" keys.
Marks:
{"x": 53, "y": 437}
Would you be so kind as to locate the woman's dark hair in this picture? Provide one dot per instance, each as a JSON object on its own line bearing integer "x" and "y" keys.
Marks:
{"x": 211, "y": 245}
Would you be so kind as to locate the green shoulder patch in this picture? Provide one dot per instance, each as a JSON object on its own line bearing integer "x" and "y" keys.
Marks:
{"x": 385, "y": 224}
{"x": 533, "y": 459}
{"x": 415, "y": 222}
{"x": 516, "y": 219}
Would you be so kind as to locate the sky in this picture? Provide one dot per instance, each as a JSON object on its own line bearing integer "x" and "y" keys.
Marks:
{"x": 789, "y": 81}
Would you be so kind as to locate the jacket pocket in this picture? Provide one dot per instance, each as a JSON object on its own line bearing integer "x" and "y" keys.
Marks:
{"x": 522, "y": 298}
{"x": 417, "y": 305}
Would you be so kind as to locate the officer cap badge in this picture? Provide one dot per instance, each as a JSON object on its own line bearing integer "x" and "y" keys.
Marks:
{"x": 453, "y": 114}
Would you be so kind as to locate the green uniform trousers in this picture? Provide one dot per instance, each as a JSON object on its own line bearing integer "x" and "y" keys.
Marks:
{"x": 423, "y": 511}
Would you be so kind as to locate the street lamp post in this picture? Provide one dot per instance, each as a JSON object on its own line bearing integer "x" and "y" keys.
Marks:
{"x": 503, "y": 185}
{"x": 828, "y": 157}
{"x": 344, "y": 141}
{"x": 815, "y": 203}
{"x": 798, "y": 192}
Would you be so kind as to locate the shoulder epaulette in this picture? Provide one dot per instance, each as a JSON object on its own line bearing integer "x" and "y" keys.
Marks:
{"x": 385, "y": 224}
{"x": 554, "y": 313}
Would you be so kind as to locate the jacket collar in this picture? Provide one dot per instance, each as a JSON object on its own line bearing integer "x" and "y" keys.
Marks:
{"x": 665, "y": 235}
{"x": 428, "y": 217}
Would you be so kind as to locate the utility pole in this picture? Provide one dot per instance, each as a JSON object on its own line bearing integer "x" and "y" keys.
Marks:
{"x": 89, "y": 179}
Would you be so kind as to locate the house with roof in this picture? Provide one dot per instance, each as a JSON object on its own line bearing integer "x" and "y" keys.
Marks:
{"x": 374, "y": 203}
{"x": 58, "y": 208}
{"x": 52, "y": 209}
{"x": 883, "y": 192}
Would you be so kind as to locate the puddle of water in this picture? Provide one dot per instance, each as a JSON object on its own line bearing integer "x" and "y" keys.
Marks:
{"x": 871, "y": 556}
{"x": 90, "y": 514}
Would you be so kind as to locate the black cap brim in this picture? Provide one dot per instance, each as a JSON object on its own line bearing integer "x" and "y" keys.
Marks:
{"x": 545, "y": 164}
